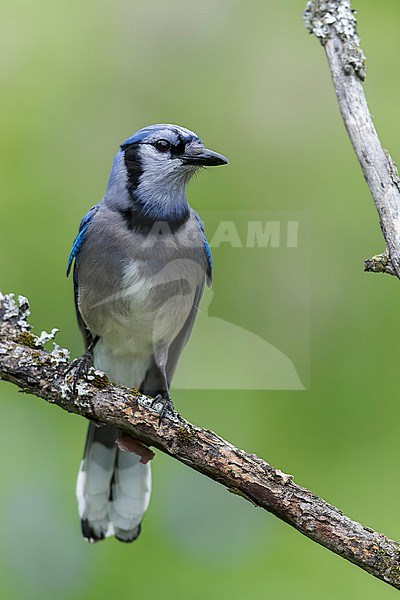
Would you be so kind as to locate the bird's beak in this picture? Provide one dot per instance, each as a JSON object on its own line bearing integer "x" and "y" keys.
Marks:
{"x": 196, "y": 154}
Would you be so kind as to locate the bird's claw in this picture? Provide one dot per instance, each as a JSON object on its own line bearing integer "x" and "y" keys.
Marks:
{"x": 81, "y": 367}
{"x": 167, "y": 405}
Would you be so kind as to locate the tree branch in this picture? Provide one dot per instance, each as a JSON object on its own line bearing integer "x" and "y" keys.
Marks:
{"x": 380, "y": 263}
{"x": 334, "y": 23}
{"x": 24, "y": 362}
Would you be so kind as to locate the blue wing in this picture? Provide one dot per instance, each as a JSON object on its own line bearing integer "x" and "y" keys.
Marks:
{"x": 74, "y": 254}
{"x": 80, "y": 238}
{"x": 207, "y": 249}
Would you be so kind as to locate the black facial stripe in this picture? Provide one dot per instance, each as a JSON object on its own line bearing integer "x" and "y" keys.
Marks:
{"x": 133, "y": 167}
{"x": 178, "y": 147}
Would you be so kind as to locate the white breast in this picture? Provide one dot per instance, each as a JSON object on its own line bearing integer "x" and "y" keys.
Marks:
{"x": 150, "y": 313}
{"x": 158, "y": 289}
{"x": 161, "y": 301}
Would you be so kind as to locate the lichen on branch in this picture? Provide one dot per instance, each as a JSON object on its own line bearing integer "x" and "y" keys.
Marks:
{"x": 322, "y": 18}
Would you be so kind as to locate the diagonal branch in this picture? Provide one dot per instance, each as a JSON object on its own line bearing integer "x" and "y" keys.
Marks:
{"x": 24, "y": 362}
{"x": 334, "y": 23}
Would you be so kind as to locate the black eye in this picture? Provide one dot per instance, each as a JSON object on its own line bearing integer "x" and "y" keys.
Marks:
{"x": 162, "y": 145}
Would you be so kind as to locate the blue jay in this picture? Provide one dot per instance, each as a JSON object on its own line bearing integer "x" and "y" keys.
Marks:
{"x": 141, "y": 260}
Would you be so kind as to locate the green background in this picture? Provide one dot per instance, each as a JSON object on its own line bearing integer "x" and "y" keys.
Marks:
{"x": 76, "y": 79}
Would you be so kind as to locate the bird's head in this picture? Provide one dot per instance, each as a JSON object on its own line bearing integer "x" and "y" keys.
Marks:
{"x": 156, "y": 163}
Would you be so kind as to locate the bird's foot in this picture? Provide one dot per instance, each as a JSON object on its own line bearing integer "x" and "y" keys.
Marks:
{"x": 167, "y": 405}
{"x": 81, "y": 367}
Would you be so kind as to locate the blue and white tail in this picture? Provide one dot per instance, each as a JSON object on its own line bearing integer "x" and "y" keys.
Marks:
{"x": 113, "y": 488}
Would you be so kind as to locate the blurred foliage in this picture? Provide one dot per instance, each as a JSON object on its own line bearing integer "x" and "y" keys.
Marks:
{"x": 76, "y": 79}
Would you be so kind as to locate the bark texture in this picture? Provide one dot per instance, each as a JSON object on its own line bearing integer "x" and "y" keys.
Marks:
{"x": 334, "y": 23}
{"x": 24, "y": 362}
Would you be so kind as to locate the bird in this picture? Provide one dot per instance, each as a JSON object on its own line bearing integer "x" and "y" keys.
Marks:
{"x": 140, "y": 263}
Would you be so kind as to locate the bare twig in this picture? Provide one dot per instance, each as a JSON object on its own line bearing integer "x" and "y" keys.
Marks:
{"x": 379, "y": 264}
{"x": 334, "y": 23}
{"x": 24, "y": 362}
